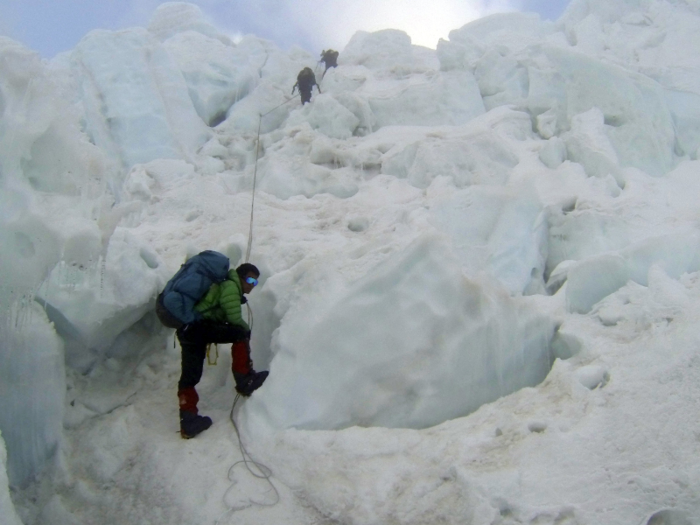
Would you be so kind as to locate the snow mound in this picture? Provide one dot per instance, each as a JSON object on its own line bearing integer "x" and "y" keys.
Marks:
{"x": 432, "y": 346}
{"x": 171, "y": 18}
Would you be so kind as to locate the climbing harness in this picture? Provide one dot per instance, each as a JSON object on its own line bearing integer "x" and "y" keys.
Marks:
{"x": 216, "y": 357}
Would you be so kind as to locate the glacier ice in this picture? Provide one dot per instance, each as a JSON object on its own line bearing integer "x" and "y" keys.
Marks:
{"x": 499, "y": 231}
{"x": 32, "y": 386}
{"x": 217, "y": 75}
{"x": 137, "y": 105}
{"x": 412, "y": 344}
{"x": 7, "y": 509}
{"x": 478, "y": 211}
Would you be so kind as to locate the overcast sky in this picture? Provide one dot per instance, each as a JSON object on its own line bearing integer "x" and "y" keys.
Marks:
{"x": 52, "y": 26}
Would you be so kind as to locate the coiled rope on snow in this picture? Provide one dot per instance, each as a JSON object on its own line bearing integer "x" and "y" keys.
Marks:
{"x": 256, "y": 468}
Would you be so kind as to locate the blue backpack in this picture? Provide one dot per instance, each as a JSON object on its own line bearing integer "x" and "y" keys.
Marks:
{"x": 175, "y": 304}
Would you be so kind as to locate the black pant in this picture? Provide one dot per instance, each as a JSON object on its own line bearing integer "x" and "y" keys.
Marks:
{"x": 194, "y": 339}
{"x": 305, "y": 96}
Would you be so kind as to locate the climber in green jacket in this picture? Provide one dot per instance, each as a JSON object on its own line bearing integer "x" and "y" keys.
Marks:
{"x": 222, "y": 303}
{"x": 222, "y": 323}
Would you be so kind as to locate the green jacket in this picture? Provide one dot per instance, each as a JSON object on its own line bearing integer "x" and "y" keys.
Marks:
{"x": 222, "y": 303}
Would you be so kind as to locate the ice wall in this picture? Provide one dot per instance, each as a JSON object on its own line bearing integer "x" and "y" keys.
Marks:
{"x": 533, "y": 68}
{"x": 32, "y": 386}
{"x": 216, "y": 72}
{"x": 649, "y": 38}
{"x": 57, "y": 218}
{"x": 35, "y": 121}
{"x": 71, "y": 130}
{"x": 7, "y": 509}
{"x": 411, "y": 344}
{"x": 217, "y": 75}
{"x": 602, "y": 248}
{"x": 92, "y": 304}
{"x": 50, "y": 177}
{"x": 136, "y": 102}
{"x": 500, "y": 231}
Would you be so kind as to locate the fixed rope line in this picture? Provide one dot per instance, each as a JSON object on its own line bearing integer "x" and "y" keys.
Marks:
{"x": 263, "y": 472}
{"x": 255, "y": 178}
{"x": 257, "y": 469}
{"x": 277, "y": 106}
{"x": 252, "y": 203}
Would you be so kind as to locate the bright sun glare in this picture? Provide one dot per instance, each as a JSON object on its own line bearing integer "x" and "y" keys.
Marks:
{"x": 424, "y": 22}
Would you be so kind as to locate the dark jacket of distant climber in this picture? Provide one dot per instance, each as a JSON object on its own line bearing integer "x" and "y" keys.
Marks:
{"x": 330, "y": 58}
{"x": 306, "y": 80}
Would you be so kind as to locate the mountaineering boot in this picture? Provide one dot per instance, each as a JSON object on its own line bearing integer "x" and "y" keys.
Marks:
{"x": 192, "y": 424}
{"x": 248, "y": 383}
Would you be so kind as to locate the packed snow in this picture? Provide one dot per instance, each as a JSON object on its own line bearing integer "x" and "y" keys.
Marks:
{"x": 480, "y": 273}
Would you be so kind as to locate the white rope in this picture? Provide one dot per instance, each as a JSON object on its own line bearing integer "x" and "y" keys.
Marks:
{"x": 252, "y": 203}
{"x": 263, "y": 472}
{"x": 255, "y": 178}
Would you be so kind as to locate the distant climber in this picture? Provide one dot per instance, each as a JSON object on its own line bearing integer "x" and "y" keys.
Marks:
{"x": 306, "y": 80}
{"x": 330, "y": 58}
{"x": 216, "y": 318}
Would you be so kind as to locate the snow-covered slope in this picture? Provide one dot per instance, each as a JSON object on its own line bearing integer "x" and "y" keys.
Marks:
{"x": 479, "y": 273}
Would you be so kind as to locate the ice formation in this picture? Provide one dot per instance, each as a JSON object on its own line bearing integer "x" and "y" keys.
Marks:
{"x": 419, "y": 344}
{"x": 479, "y": 271}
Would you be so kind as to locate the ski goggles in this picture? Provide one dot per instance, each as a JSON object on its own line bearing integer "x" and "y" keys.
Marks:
{"x": 251, "y": 280}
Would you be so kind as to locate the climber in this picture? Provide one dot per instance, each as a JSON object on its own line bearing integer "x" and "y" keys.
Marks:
{"x": 219, "y": 320}
{"x": 306, "y": 80}
{"x": 330, "y": 58}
